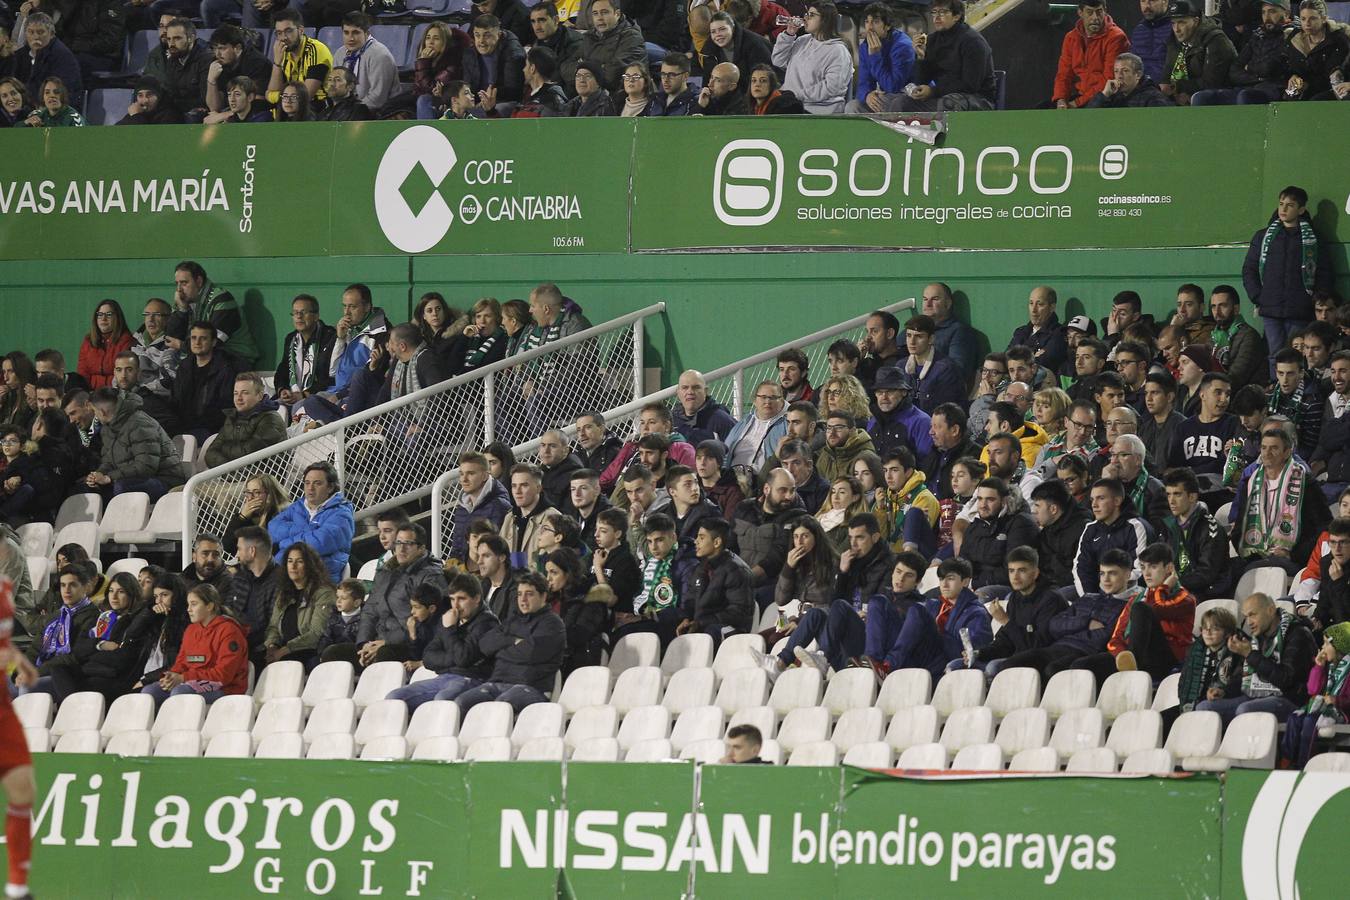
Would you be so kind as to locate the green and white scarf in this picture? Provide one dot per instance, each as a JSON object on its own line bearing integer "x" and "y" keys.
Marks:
{"x": 1223, "y": 337}
{"x": 485, "y": 346}
{"x": 658, "y": 587}
{"x": 1264, "y": 529}
{"x": 1309, "y": 240}
{"x": 1254, "y": 685}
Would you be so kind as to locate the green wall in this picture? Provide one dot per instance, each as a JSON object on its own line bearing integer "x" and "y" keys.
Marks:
{"x": 720, "y": 307}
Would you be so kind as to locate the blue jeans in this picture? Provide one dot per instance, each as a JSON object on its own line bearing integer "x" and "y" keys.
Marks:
{"x": 1278, "y": 333}
{"x": 442, "y": 687}
{"x": 152, "y": 486}
{"x": 160, "y": 695}
{"x": 990, "y": 668}
{"x": 839, "y": 632}
{"x": 1236, "y": 706}
{"x": 911, "y": 642}
{"x": 518, "y": 695}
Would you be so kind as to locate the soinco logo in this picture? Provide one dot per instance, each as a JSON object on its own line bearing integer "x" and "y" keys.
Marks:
{"x": 1277, "y": 823}
{"x": 409, "y": 231}
{"x": 748, "y": 182}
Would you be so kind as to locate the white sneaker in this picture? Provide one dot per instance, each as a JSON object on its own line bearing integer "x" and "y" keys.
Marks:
{"x": 772, "y": 665}
{"x": 812, "y": 658}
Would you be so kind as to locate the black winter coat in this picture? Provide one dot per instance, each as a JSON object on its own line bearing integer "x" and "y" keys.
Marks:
{"x": 134, "y": 633}
{"x": 720, "y": 591}
{"x": 958, "y": 61}
{"x": 1071, "y": 627}
{"x": 868, "y": 575}
{"x": 526, "y": 649}
{"x": 1206, "y": 548}
{"x": 1278, "y": 292}
{"x": 1051, "y": 338}
{"x": 987, "y": 543}
{"x": 457, "y": 651}
{"x": 1028, "y": 626}
{"x": 1057, "y": 544}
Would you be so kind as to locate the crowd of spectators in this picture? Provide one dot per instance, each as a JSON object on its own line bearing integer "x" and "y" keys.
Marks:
{"x": 617, "y": 58}
{"x": 1075, "y": 495}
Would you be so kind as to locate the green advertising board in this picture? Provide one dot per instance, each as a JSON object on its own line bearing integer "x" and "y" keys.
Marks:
{"x": 111, "y": 827}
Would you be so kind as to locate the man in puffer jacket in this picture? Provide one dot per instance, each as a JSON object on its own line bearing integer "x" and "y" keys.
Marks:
{"x": 384, "y": 620}
{"x": 1149, "y": 38}
{"x": 614, "y": 42}
{"x": 526, "y": 650}
{"x": 454, "y": 654}
{"x": 718, "y": 597}
{"x": 137, "y": 455}
{"x": 251, "y": 426}
{"x": 1199, "y": 54}
{"x": 321, "y": 518}
{"x": 1085, "y": 627}
{"x": 1261, "y": 70}
{"x": 957, "y": 69}
{"x": 1286, "y": 264}
{"x": 1116, "y": 526}
{"x": 1088, "y": 55}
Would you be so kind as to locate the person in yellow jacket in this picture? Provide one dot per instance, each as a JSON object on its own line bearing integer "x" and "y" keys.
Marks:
{"x": 906, "y": 509}
{"x": 1005, "y": 417}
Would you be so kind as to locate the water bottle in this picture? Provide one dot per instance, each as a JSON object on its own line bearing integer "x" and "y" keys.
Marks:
{"x": 782, "y": 619}
{"x": 969, "y": 647}
{"x": 857, "y": 601}
{"x": 1232, "y": 467}
{"x": 784, "y": 21}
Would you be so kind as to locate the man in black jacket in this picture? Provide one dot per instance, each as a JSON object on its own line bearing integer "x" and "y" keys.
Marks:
{"x": 513, "y": 15}
{"x": 763, "y": 528}
{"x": 595, "y": 449}
{"x": 343, "y": 106}
{"x": 492, "y": 45}
{"x": 182, "y": 65}
{"x": 1278, "y": 651}
{"x": 253, "y": 589}
{"x": 1199, "y": 547}
{"x": 564, "y": 42}
{"x": 1285, "y": 264}
{"x": 526, "y": 651}
{"x": 543, "y": 96}
{"x": 556, "y": 465}
{"x": 1043, "y": 332}
{"x": 454, "y": 653}
{"x": 957, "y": 70}
{"x": 994, "y": 532}
{"x": 1061, "y": 522}
{"x": 613, "y": 563}
{"x": 1116, "y": 526}
{"x": 865, "y": 567}
{"x": 307, "y": 363}
{"x": 1128, "y": 88}
{"x": 719, "y": 598}
{"x": 94, "y": 31}
{"x": 235, "y": 55}
{"x": 1024, "y": 615}
{"x": 1332, "y": 455}
{"x": 951, "y": 441}
{"x": 204, "y": 387}
{"x": 722, "y": 95}
{"x": 44, "y": 57}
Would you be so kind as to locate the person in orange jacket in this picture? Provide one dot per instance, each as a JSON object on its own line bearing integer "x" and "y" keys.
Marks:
{"x": 213, "y": 658}
{"x": 1088, "y": 55}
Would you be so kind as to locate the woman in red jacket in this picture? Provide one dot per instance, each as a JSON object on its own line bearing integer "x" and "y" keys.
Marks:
{"x": 213, "y": 659}
{"x": 108, "y": 336}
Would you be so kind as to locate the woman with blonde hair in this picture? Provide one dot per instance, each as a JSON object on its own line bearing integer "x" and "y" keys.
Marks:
{"x": 1049, "y": 407}
{"x": 440, "y": 60}
{"x": 263, "y": 498}
{"x": 483, "y": 341}
{"x": 844, "y": 393}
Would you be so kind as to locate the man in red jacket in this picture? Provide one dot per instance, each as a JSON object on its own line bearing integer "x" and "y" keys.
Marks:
{"x": 1088, "y": 55}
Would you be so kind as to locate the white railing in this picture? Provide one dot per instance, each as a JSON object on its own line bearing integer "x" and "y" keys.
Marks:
{"x": 390, "y": 454}
{"x": 727, "y": 385}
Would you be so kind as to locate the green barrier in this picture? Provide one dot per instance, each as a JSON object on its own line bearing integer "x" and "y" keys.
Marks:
{"x": 1025, "y": 180}
{"x": 149, "y": 828}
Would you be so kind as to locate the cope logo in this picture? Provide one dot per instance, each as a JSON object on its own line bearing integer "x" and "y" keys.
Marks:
{"x": 748, "y": 182}
{"x": 410, "y": 231}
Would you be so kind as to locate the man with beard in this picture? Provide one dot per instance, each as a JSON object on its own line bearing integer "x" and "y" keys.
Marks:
{"x": 1332, "y": 455}
{"x": 1261, "y": 70}
{"x": 207, "y": 565}
{"x": 1149, "y": 38}
{"x": 1239, "y": 347}
{"x": 297, "y": 57}
{"x": 181, "y": 65}
{"x": 763, "y": 529}
{"x": 234, "y": 55}
{"x": 844, "y": 441}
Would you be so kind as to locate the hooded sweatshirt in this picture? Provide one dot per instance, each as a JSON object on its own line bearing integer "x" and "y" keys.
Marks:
{"x": 818, "y": 72}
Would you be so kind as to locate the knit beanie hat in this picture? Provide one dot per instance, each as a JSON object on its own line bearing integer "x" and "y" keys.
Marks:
{"x": 1203, "y": 357}
{"x": 1339, "y": 635}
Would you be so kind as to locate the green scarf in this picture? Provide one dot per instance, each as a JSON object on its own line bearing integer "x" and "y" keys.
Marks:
{"x": 1177, "y": 534}
{"x": 1264, "y": 530}
{"x": 1222, "y": 337}
{"x": 1253, "y": 682}
{"x": 1309, "y": 240}
{"x": 658, "y": 588}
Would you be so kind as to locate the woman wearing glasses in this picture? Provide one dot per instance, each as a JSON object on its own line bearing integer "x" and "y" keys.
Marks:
{"x": 819, "y": 67}
{"x": 108, "y": 336}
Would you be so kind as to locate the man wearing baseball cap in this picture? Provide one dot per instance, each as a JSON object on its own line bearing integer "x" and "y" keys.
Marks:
{"x": 1262, "y": 67}
{"x": 1198, "y": 56}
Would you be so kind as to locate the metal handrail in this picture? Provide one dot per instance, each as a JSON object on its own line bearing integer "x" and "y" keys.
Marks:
{"x": 733, "y": 370}
{"x": 486, "y": 374}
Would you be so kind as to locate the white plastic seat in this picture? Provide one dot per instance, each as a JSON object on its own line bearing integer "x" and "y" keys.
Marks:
{"x": 905, "y": 688}
{"x": 542, "y": 749}
{"x": 377, "y": 681}
{"x": 129, "y": 743}
{"x": 1268, "y": 580}
{"x": 132, "y": 565}
{"x": 1124, "y": 691}
{"x": 385, "y": 747}
{"x": 336, "y": 716}
{"x": 381, "y": 719}
{"x": 1167, "y": 696}
{"x": 796, "y": 688}
{"x": 853, "y": 688}
{"x": 762, "y": 717}
{"x": 1195, "y": 733}
{"x": 705, "y": 751}
{"x": 493, "y": 719}
{"x": 433, "y": 719}
{"x": 285, "y": 715}
{"x": 83, "y": 533}
{"x": 654, "y": 750}
{"x": 689, "y": 689}
{"x": 637, "y": 686}
{"x": 538, "y": 720}
{"x": 966, "y": 726}
{"x": 1023, "y": 729}
{"x": 1078, "y": 729}
{"x": 328, "y": 681}
{"x": 912, "y": 727}
{"x": 958, "y": 690}
{"x": 1216, "y": 603}
{"x": 186, "y": 445}
{"x": 587, "y": 686}
{"x": 79, "y": 508}
{"x": 978, "y": 758}
{"x": 1328, "y": 762}
{"x": 857, "y": 726}
{"x": 82, "y": 711}
{"x": 283, "y": 678}
{"x": 228, "y": 745}
{"x": 698, "y": 723}
{"x": 597, "y": 749}
{"x": 1069, "y": 689}
{"x": 38, "y": 567}
{"x": 815, "y": 753}
{"x": 1017, "y": 688}
{"x": 165, "y": 524}
{"x": 804, "y": 725}
{"x": 1249, "y": 742}
{"x": 127, "y": 511}
{"x": 871, "y": 755}
{"x": 742, "y": 688}
{"x": 635, "y": 651}
{"x": 1148, "y": 762}
{"x": 923, "y": 756}
{"x": 738, "y": 651}
{"x": 1138, "y": 729}
{"x": 35, "y": 710}
{"x": 441, "y": 748}
{"x": 369, "y": 569}
{"x": 591, "y": 722}
{"x": 36, "y": 538}
{"x": 1094, "y": 759}
{"x": 1035, "y": 759}
{"x": 181, "y": 712}
{"x": 79, "y": 740}
{"x": 39, "y": 740}
{"x": 232, "y": 713}
{"x": 179, "y": 744}
{"x": 280, "y": 745}
{"x": 643, "y": 723}
{"x": 771, "y": 753}
{"x": 687, "y": 651}
{"x": 422, "y": 674}
{"x": 332, "y": 745}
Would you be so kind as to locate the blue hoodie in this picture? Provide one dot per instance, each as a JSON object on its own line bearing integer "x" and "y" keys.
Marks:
{"x": 329, "y": 531}
{"x": 889, "y": 70}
